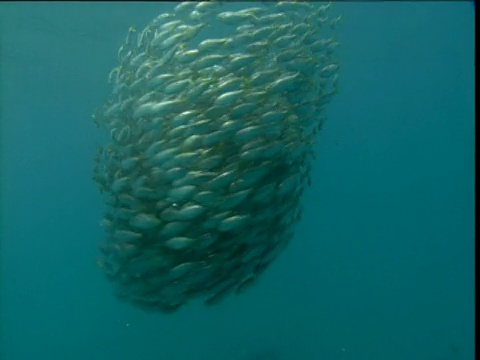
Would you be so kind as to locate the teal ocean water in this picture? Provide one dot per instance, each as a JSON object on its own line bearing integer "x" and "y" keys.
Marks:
{"x": 381, "y": 266}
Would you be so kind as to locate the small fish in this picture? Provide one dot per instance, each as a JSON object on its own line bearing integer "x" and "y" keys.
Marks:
{"x": 230, "y": 201}
{"x": 126, "y": 236}
{"x": 173, "y": 228}
{"x": 129, "y": 163}
{"x": 182, "y": 193}
{"x": 208, "y": 45}
{"x": 144, "y": 221}
{"x": 230, "y": 84}
{"x": 179, "y": 243}
{"x": 234, "y": 18}
{"x": 190, "y": 212}
{"x": 185, "y": 57}
{"x": 162, "y": 156}
{"x": 329, "y": 70}
{"x": 288, "y": 55}
{"x": 221, "y": 180}
{"x": 335, "y": 22}
{"x": 170, "y": 25}
{"x": 240, "y": 60}
{"x": 287, "y": 82}
{"x": 242, "y": 110}
{"x": 162, "y": 108}
{"x": 120, "y": 184}
{"x": 182, "y": 269}
{"x": 184, "y": 7}
{"x": 160, "y": 80}
{"x": 177, "y": 87}
{"x": 249, "y": 133}
{"x": 207, "y": 61}
{"x": 228, "y": 98}
{"x": 205, "y": 197}
{"x": 184, "y": 117}
{"x": 263, "y": 77}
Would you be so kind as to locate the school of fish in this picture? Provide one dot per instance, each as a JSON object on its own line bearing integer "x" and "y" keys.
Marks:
{"x": 210, "y": 146}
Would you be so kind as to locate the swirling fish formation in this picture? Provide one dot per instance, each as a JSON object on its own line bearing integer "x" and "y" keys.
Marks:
{"x": 210, "y": 146}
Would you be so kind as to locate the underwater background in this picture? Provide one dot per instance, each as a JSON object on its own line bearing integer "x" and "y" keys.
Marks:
{"x": 382, "y": 262}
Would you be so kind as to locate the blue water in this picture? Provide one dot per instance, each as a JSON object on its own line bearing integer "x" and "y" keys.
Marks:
{"x": 382, "y": 264}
